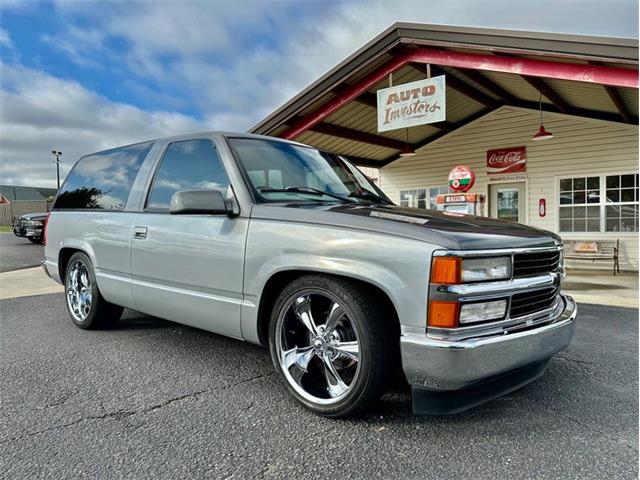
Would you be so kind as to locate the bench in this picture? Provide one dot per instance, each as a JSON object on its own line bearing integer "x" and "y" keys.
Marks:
{"x": 594, "y": 250}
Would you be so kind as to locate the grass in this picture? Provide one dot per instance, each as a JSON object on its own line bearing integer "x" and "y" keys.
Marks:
{"x": 5, "y": 228}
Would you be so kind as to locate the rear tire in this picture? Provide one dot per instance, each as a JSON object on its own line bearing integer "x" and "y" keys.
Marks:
{"x": 86, "y": 306}
{"x": 333, "y": 344}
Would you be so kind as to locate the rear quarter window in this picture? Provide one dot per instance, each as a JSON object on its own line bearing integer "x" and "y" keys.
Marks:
{"x": 102, "y": 180}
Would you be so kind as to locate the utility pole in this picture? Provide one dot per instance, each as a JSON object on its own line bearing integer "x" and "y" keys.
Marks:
{"x": 57, "y": 156}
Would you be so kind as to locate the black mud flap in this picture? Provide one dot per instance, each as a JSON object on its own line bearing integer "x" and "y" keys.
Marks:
{"x": 430, "y": 402}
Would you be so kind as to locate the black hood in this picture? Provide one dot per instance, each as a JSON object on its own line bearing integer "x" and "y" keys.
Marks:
{"x": 467, "y": 229}
{"x": 449, "y": 230}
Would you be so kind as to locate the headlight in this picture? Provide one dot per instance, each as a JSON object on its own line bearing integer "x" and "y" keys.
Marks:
{"x": 33, "y": 223}
{"x": 453, "y": 270}
{"x": 481, "y": 312}
{"x": 482, "y": 269}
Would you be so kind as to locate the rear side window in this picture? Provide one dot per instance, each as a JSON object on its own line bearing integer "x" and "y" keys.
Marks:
{"x": 102, "y": 180}
{"x": 187, "y": 165}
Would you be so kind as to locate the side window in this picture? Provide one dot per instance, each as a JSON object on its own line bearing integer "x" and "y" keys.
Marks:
{"x": 187, "y": 165}
{"x": 102, "y": 180}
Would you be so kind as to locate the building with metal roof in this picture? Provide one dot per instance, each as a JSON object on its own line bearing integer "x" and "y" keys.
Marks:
{"x": 13, "y": 193}
{"x": 501, "y": 86}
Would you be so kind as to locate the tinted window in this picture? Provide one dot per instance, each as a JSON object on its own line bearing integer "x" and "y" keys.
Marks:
{"x": 188, "y": 165}
{"x": 102, "y": 180}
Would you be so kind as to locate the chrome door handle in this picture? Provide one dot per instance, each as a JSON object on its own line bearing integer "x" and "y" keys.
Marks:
{"x": 140, "y": 233}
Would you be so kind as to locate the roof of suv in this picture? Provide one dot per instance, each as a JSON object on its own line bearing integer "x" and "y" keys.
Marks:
{"x": 187, "y": 136}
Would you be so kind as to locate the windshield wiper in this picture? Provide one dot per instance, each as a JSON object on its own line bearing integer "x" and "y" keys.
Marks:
{"x": 304, "y": 189}
{"x": 367, "y": 195}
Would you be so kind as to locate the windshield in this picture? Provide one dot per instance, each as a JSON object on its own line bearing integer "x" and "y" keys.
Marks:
{"x": 283, "y": 172}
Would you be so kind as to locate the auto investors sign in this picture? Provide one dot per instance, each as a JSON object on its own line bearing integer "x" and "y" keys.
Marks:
{"x": 411, "y": 104}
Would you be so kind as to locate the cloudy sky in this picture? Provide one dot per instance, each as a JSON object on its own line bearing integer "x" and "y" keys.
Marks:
{"x": 81, "y": 76}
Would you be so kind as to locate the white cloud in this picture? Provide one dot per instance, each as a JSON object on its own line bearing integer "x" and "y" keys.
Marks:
{"x": 5, "y": 40}
{"x": 234, "y": 62}
{"x": 82, "y": 46}
{"x": 243, "y": 59}
{"x": 40, "y": 112}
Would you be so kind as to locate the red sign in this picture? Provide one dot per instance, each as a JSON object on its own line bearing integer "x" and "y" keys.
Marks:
{"x": 507, "y": 160}
{"x": 542, "y": 207}
{"x": 461, "y": 178}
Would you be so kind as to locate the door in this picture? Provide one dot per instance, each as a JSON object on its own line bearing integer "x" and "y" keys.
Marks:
{"x": 508, "y": 202}
{"x": 188, "y": 268}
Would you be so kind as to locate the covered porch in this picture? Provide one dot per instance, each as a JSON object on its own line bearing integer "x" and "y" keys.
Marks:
{"x": 498, "y": 83}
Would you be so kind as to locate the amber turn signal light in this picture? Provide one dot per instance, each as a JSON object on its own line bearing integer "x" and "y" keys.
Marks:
{"x": 446, "y": 270}
{"x": 443, "y": 314}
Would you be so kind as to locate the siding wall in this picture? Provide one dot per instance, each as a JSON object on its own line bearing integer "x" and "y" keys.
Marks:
{"x": 580, "y": 147}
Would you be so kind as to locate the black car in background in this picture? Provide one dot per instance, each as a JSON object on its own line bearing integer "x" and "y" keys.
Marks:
{"x": 30, "y": 225}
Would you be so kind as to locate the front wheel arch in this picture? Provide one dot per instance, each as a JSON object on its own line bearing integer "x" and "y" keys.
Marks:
{"x": 278, "y": 281}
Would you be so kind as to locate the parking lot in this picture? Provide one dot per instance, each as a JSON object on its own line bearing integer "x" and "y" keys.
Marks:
{"x": 153, "y": 399}
{"x": 16, "y": 253}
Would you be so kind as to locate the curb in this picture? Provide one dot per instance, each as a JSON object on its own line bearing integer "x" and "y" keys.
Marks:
{"x": 26, "y": 283}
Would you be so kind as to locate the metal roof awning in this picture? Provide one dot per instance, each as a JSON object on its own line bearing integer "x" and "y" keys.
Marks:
{"x": 594, "y": 77}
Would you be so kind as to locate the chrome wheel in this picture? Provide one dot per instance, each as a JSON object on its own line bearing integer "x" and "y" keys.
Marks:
{"x": 317, "y": 347}
{"x": 79, "y": 291}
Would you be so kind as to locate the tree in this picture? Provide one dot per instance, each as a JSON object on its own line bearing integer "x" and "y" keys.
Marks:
{"x": 80, "y": 198}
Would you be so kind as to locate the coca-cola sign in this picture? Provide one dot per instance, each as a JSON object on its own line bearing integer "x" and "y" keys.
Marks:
{"x": 507, "y": 160}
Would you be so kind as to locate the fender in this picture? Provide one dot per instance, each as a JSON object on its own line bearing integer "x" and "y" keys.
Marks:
{"x": 89, "y": 233}
{"x": 81, "y": 245}
{"x": 394, "y": 265}
{"x": 384, "y": 279}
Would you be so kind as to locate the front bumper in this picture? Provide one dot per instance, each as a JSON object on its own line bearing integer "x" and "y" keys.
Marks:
{"x": 448, "y": 365}
{"x": 35, "y": 232}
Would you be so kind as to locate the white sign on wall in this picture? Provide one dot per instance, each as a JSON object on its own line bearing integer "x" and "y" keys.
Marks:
{"x": 411, "y": 104}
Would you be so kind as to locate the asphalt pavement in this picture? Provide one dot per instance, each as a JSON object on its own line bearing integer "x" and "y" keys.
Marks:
{"x": 153, "y": 399}
{"x": 17, "y": 253}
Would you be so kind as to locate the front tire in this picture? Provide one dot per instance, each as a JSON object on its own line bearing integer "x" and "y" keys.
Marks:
{"x": 85, "y": 304}
{"x": 332, "y": 344}
{"x": 35, "y": 239}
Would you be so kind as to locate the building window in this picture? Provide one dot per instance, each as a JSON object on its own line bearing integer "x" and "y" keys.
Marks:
{"x": 621, "y": 214}
{"x": 607, "y": 203}
{"x": 580, "y": 204}
{"x": 421, "y": 197}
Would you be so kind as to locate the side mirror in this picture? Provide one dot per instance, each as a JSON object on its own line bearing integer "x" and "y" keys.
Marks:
{"x": 199, "y": 201}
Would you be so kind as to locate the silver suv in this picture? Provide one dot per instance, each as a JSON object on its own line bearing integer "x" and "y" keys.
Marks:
{"x": 280, "y": 244}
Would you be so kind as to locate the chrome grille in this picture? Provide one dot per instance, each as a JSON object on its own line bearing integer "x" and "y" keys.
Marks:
{"x": 531, "y": 302}
{"x": 526, "y": 264}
